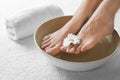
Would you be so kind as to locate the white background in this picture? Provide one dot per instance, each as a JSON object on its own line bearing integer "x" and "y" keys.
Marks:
{"x": 21, "y": 60}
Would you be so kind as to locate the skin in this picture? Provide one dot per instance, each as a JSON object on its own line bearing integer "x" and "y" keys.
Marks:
{"x": 100, "y": 24}
{"x": 94, "y": 15}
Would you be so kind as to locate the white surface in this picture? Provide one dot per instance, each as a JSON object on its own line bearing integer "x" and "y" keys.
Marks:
{"x": 21, "y": 60}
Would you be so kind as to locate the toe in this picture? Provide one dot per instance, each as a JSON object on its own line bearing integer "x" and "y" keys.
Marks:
{"x": 45, "y": 41}
{"x": 69, "y": 48}
{"x": 88, "y": 45}
{"x": 45, "y": 45}
{"x": 54, "y": 50}
{"x": 46, "y": 37}
{"x": 73, "y": 49}
{"x": 78, "y": 50}
{"x": 48, "y": 47}
{"x": 63, "y": 48}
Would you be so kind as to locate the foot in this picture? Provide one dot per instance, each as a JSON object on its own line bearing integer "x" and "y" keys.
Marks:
{"x": 93, "y": 31}
{"x": 52, "y": 43}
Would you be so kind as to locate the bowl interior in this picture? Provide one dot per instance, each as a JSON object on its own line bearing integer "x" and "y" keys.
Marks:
{"x": 104, "y": 48}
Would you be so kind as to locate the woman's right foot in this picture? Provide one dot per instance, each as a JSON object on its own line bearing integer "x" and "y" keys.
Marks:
{"x": 52, "y": 43}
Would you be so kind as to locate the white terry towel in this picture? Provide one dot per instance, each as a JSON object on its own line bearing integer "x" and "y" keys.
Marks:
{"x": 25, "y": 22}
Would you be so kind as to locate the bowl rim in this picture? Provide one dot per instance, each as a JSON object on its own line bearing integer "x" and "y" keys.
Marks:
{"x": 73, "y": 62}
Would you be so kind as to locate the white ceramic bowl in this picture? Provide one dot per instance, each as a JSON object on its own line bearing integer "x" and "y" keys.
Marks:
{"x": 57, "y": 23}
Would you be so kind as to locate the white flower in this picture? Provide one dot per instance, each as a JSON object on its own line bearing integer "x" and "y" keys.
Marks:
{"x": 71, "y": 39}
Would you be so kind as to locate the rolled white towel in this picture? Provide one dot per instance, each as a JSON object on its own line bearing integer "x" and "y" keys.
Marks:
{"x": 24, "y": 23}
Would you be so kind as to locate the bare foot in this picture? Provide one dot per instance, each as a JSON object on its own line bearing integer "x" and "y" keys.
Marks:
{"x": 52, "y": 43}
{"x": 98, "y": 26}
{"x": 95, "y": 30}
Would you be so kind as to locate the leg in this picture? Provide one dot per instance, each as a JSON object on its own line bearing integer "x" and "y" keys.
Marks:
{"x": 85, "y": 10}
{"x": 52, "y": 43}
{"x": 98, "y": 26}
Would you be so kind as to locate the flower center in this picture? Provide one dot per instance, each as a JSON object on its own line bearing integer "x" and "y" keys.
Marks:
{"x": 72, "y": 40}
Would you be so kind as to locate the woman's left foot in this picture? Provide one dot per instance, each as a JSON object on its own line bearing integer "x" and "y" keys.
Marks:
{"x": 97, "y": 27}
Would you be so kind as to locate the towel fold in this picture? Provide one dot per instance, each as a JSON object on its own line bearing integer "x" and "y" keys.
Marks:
{"x": 25, "y": 22}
